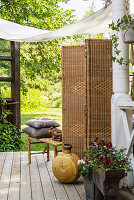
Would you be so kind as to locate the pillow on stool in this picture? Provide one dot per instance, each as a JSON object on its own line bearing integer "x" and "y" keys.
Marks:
{"x": 37, "y": 133}
{"x": 42, "y": 122}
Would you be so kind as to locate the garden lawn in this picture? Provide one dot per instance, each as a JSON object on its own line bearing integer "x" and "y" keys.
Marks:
{"x": 53, "y": 113}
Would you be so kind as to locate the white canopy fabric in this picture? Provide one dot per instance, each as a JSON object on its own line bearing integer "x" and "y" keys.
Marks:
{"x": 93, "y": 24}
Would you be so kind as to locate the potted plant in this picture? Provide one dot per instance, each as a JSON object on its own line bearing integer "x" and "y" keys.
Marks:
{"x": 108, "y": 166}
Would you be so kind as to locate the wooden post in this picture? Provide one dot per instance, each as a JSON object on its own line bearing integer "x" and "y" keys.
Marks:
{"x": 29, "y": 151}
{"x": 15, "y": 84}
{"x": 120, "y": 87}
{"x": 13, "y": 103}
{"x": 47, "y": 152}
{"x": 55, "y": 151}
{"x": 120, "y": 81}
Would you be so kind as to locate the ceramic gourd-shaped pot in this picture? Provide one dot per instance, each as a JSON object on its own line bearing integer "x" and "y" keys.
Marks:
{"x": 65, "y": 166}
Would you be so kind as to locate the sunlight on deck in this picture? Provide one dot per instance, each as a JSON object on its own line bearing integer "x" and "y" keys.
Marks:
{"x": 21, "y": 181}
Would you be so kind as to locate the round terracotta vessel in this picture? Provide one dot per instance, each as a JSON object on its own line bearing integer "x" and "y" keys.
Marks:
{"x": 65, "y": 166}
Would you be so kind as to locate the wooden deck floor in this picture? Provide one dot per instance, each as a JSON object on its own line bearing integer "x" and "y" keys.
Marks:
{"x": 21, "y": 181}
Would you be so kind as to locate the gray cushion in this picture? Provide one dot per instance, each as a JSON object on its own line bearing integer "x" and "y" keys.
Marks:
{"x": 37, "y": 133}
{"x": 42, "y": 122}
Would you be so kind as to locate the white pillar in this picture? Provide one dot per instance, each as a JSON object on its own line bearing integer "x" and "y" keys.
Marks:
{"x": 120, "y": 80}
{"x": 120, "y": 85}
{"x": 120, "y": 72}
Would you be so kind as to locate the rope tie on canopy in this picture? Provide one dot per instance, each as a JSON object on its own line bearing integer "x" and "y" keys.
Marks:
{"x": 127, "y": 7}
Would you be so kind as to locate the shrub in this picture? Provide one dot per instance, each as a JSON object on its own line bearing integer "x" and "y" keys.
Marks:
{"x": 10, "y": 139}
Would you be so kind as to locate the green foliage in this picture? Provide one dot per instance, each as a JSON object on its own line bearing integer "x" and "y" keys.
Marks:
{"x": 42, "y": 60}
{"x": 5, "y": 48}
{"x": 91, "y": 9}
{"x": 102, "y": 155}
{"x": 85, "y": 169}
{"x": 90, "y": 12}
{"x": 122, "y": 24}
{"x": 10, "y": 139}
{"x": 5, "y": 89}
{"x": 5, "y": 66}
{"x": 37, "y": 99}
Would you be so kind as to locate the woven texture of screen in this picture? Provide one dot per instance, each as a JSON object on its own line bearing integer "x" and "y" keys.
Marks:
{"x": 74, "y": 98}
{"x": 87, "y": 80}
{"x": 99, "y": 89}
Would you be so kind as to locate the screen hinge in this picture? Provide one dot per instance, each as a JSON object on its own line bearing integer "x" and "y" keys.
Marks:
{"x": 85, "y": 52}
{"x": 86, "y": 109}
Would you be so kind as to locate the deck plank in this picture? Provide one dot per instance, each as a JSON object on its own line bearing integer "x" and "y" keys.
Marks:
{"x": 80, "y": 188}
{"x": 35, "y": 181}
{"x": 58, "y": 187}
{"x": 5, "y": 177}
{"x": 71, "y": 192}
{"x": 25, "y": 189}
{"x": 2, "y": 161}
{"x": 48, "y": 190}
{"x": 37, "y": 192}
{"x": 14, "y": 189}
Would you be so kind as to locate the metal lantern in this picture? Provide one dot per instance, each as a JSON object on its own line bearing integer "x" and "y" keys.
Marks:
{"x": 128, "y": 35}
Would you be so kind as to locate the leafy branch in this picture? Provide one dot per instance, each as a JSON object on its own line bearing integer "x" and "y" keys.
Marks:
{"x": 4, "y": 113}
{"x": 122, "y": 24}
{"x": 10, "y": 139}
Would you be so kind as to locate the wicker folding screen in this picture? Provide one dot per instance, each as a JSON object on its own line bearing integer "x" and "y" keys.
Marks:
{"x": 99, "y": 89}
{"x": 74, "y": 97}
{"x": 87, "y": 80}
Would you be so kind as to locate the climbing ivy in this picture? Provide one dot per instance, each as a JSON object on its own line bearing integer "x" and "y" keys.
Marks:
{"x": 122, "y": 24}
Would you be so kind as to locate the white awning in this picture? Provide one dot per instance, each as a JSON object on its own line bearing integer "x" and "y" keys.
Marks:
{"x": 95, "y": 23}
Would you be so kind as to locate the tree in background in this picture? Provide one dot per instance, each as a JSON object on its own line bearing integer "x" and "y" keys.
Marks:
{"x": 40, "y": 62}
{"x": 90, "y": 12}
{"x": 77, "y": 40}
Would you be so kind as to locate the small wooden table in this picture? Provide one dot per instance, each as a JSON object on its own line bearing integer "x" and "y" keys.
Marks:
{"x": 46, "y": 150}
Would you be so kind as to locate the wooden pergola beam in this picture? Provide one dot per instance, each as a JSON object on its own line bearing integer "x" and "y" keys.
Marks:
{"x": 6, "y": 58}
{"x": 5, "y": 79}
{"x": 15, "y": 84}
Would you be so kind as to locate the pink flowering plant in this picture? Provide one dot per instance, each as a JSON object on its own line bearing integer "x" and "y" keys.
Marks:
{"x": 103, "y": 155}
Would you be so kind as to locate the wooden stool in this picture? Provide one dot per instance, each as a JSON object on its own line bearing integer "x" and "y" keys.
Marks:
{"x": 47, "y": 141}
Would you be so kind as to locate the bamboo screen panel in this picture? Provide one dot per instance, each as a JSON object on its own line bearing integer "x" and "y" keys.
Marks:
{"x": 74, "y": 98}
{"x": 99, "y": 89}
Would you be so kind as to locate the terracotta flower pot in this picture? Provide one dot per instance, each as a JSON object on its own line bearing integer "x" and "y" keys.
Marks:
{"x": 108, "y": 181}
